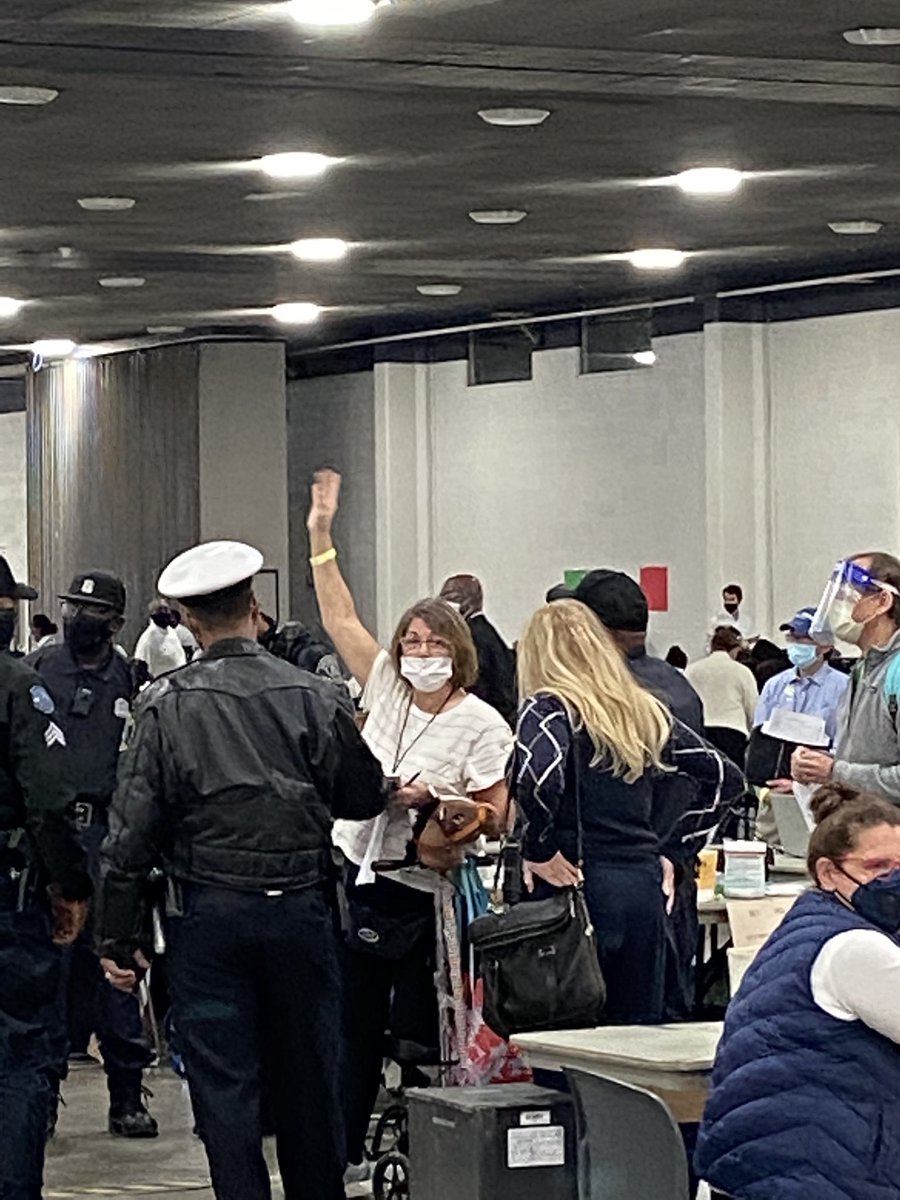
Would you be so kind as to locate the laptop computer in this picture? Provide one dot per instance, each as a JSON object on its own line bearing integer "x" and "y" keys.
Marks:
{"x": 793, "y": 826}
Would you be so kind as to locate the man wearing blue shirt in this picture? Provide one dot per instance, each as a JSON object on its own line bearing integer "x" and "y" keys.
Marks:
{"x": 810, "y": 686}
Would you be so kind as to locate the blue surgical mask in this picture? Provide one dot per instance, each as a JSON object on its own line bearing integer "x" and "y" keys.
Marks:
{"x": 801, "y": 654}
{"x": 879, "y": 901}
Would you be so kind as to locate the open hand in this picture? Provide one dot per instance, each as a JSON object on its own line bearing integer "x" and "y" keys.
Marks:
{"x": 325, "y": 495}
{"x": 558, "y": 872}
{"x": 121, "y": 979}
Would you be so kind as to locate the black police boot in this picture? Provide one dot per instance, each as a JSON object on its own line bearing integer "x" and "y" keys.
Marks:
{"x": 128, "y": 1115}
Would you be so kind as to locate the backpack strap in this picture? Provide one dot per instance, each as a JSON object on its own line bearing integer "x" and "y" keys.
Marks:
{"x": 892, "y": 688}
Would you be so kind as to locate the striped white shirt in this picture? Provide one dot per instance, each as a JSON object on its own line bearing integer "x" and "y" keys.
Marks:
{"x": 465, "y": 749}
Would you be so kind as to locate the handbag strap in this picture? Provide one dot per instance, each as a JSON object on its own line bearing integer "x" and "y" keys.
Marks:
{"x": 576, "y": 773}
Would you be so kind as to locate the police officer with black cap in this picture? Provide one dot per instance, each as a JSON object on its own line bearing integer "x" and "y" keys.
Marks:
{"x": 44, "y": 892}
{"x": 93, "y": 686}
{"x": 238, "y": 763}
{"x": 11, "y": 593}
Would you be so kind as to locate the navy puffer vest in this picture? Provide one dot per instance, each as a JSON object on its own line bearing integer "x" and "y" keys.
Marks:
{"x": 804, "y": 1106}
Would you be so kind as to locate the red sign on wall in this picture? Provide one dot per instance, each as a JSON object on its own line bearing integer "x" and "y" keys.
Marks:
{"x": 655, "y": 586}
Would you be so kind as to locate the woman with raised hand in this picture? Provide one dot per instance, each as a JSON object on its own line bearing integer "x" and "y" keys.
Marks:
{"x": 428, "y": 732}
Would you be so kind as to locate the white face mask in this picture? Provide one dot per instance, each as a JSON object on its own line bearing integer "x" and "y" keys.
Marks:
{"x": 426, "y": 674}
{"x": 843, "y": 624}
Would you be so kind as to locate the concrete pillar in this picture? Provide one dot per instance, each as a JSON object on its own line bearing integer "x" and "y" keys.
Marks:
{"x": 404, "y": 491}
{"x": 243, "y": 471}
{"x": 739, "y": 467}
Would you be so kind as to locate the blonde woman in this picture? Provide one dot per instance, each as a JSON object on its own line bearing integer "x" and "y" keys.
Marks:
{"x": 590, "y": 737}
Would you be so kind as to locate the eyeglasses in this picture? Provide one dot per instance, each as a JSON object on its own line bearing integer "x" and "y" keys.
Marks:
{"x": 410, "y": 645}
{"x": 874, "y": 866}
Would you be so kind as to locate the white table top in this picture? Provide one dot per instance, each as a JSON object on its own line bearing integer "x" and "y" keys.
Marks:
{"x": 669, "y": 1048}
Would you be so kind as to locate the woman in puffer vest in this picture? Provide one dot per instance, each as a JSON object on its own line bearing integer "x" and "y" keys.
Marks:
{"x": 806, "y": 1089}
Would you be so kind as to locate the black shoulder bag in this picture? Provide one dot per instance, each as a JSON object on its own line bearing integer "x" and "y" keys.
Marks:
{"x": 539, "y": 961}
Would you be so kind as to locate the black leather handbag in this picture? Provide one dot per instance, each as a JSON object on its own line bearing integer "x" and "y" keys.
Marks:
{"x": 539, "y": 966}
{"x": 538, "y": 962}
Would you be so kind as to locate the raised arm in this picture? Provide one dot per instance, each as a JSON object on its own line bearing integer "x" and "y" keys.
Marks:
{"x": 352, "y": 640}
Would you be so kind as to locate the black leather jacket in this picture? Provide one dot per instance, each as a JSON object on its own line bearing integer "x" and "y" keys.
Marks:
{"x": 238, "y": 764}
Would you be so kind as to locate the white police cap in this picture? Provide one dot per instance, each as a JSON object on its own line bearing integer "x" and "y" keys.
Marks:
{"x": 209, "y": 568}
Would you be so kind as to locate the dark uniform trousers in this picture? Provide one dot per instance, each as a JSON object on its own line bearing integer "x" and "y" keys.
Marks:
{"x": 29, "y": 984}
{"x": 87, "y": 1003}
{"x": 255, "y": 977}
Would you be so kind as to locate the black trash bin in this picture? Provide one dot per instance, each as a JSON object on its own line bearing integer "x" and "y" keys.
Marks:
{"x": 507, "y": 1142}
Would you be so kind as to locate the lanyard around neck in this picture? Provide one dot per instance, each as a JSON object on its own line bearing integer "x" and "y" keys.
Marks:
{"x": 401, "y": 754}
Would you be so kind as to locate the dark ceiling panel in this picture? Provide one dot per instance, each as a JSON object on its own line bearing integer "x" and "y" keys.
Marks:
{"x": 171, "y": 102}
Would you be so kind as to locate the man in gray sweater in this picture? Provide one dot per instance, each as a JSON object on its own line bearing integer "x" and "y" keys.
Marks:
{"x": 862, "y": 606}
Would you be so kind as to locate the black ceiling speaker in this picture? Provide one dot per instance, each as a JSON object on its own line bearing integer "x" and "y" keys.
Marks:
{"x": 502, "y": 355}
{"x": 617, "y": 341}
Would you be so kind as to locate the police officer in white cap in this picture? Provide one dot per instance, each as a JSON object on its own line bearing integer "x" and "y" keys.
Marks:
{"x": 237, "y": 765}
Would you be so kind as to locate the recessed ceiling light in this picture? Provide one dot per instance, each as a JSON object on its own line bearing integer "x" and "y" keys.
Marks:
{"x": 498, "y": 216}
{"x": 322, "y": 250}
{"x": 27, "y": 95}
{"x": 439, "y": 289}
{"x": 297, "y": 313}
{"x": 645, "y": 358}
{"x": 165, "y": 329}
{"x": 9, "y": 307}
{"x": 332, "y": 14}
{"x": 657, "y": 260}
{"x": 296, "y": 165}
{"x": 873, "y": 37}
{"x": 106, "y": 203}
{"x": 512, "y": 118}
{"x": 709, "y": 181}
{"x": 53, "y": 347}
{"x": 855, "y": 228}
{"x": 122, "y": 281}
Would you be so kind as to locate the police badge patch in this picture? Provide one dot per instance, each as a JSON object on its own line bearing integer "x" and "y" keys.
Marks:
{"x": 42, "y": 700}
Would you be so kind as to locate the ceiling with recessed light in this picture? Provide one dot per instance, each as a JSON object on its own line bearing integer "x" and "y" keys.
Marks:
{"x": 172, "y": 104}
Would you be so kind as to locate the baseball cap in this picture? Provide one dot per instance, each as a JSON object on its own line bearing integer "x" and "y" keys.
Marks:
{"x": 10, "y": 588}
{"x": 616, "y": 599}
{"x": 97, "y": 587}
{"x": 799, "y": 624}
{"x": 209, "y": 568}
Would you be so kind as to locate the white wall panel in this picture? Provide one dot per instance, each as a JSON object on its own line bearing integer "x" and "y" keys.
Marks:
{"x": 572, "y": 471}
{"x": 835, "y": 388}
{"x": 13, "y": 503}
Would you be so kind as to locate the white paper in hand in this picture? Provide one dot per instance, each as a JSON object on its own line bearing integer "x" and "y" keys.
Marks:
{"x": 803, "y": 794}
{"x": 802, "y": 729}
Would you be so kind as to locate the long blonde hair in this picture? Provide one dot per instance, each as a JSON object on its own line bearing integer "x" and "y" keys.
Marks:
{"x": 565, "y": 652}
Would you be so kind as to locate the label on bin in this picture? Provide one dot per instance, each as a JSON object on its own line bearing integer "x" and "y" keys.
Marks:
{"x": 541, "y": 1147}
{"x": 535, "y": 1118}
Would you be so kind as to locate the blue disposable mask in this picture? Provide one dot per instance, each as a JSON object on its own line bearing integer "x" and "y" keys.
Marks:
{"x": 879, "y": 901}
{"x": 801, "y": 654}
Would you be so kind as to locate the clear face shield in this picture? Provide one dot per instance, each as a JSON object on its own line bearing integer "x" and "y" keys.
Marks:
{"x": 848, "y": 585}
